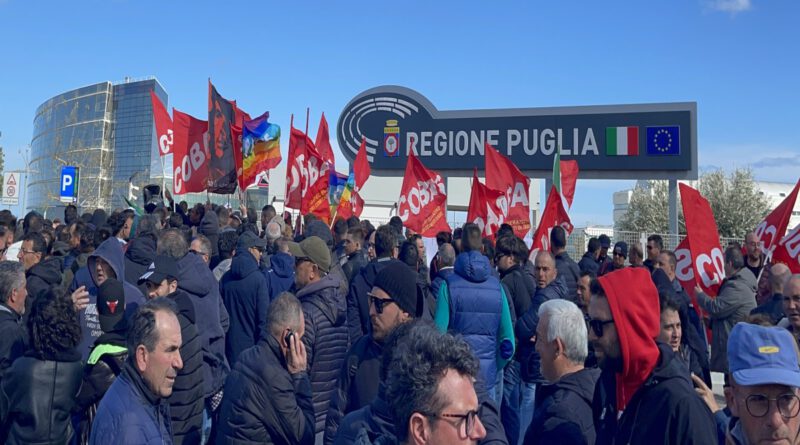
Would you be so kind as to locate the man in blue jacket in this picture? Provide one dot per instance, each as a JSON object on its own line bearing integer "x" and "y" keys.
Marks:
{"x": 134, "y": 410}
{"x": 244, "y": 291}
{"x": 472, "y": 302}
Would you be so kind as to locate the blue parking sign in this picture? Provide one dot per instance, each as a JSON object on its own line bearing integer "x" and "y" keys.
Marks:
{"x": 69, "y": 184}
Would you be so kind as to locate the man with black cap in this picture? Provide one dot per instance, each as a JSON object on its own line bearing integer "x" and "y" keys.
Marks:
{"x": 108, "y": 355}
{"x": 187, "y": 400}
{"x": 325, "y": 310}
{"x": 246, "y": 296}
{"x": 605, "y": 244}
{"x": 618, "y": 261}
{"x": 394, "y": 300}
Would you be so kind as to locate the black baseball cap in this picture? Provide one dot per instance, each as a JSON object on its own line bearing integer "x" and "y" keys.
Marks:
{"x": 160, "y": 269}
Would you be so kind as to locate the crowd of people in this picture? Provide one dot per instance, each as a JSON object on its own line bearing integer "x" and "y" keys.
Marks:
{"x": 202, "y": 325}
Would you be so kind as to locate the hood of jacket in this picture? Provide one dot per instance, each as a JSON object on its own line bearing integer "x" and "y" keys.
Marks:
{"x": 282, "y": 264}
{"x": 370, "y": 271}
{"x": 141, "y": 250}
{"x": 109, "y": 250}
{"x": 327, "y": 288}
{"x": 743, "y": 279}
{"x": 209, "y": 225}
{"x": 193, "y": 275}
{"x": 473, "y": 266}
{"x": 633, "y": 300}
{"x": 243, "y": 264}
{"x": 49, "y": 270}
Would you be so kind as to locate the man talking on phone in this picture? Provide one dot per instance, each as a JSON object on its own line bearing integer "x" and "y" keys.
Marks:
{"x": 268, "y": 394}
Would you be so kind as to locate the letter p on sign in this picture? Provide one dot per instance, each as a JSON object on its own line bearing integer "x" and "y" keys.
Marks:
{"x": 69, "y": 182}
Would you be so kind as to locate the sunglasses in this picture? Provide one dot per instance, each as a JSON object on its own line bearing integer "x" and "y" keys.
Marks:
{"x": 379, "y": 303}
{"x": 597, "y": 326}
{"x": 468, "y": 419}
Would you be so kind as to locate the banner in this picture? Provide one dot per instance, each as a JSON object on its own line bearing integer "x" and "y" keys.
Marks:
{"x": 502, "y": 175}
{"x": 708, "y": 260}
{"x": 222, "y": 170}
{"x": 163, "y": 124}
{"x": 787, "y": 251}
{"x": 554, "y": 215}
{"x": 351, "y": 204}
{"x": 484, "y": 207}
{"x": 261, "y": 148}
{"x": 190, "y": 154}
{"x": 296, "y": 169}
{"x": 315, "y": 194}
{"x": 773, "y": 227}
{"x": 423, "y": 200}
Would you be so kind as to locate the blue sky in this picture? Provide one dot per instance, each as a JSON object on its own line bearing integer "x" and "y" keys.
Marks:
{"x": 738, "y": 59}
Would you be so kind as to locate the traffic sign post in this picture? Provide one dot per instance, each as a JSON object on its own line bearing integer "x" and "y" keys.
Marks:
{"x": 69, "y": 184}
{"x": 10, "y": 188}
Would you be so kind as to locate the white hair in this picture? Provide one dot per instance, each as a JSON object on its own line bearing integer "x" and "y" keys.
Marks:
{"x": 565, "y": 321}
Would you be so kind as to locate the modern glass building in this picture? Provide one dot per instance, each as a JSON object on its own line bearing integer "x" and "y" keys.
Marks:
{"x": 106, "y": 130}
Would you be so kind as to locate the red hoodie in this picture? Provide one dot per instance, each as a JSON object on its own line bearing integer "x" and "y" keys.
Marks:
{"x": 634, "y": 304}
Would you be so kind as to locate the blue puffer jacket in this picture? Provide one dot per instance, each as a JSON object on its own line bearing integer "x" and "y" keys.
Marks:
{"x": 244, "y": 291}
{"x": 325, "y": 339}
{"x": 130, "y": 414}
{"x": 197, "y": 280}
{"x": 111, "y": 252}
{"x": 280, "y": 275}
{"x": 526, "y": 328}
{"x": 476, "y": 301}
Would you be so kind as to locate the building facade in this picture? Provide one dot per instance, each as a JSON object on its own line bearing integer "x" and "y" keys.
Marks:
{"x": 106, "y": 130}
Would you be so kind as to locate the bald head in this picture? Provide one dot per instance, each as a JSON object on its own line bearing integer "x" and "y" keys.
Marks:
{"x": 779, "y": 274}
{"x": 544, "y": 268}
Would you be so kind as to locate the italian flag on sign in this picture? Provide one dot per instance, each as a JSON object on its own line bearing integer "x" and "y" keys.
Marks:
{"x": 622, "y": 141}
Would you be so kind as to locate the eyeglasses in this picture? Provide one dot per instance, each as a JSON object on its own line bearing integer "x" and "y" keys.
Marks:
{"x": 598, "y": 326}
{"x": 469, "y": 419}
{"x": 379, "y": 302}
{"x": 758, "y": 405}
{"x": 23, "y": 251}
{"x": 197, "y": 252}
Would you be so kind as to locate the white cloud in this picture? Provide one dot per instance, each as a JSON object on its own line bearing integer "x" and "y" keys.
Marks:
{"x": 730, "y": 6}
{"x": 769, "y": 163}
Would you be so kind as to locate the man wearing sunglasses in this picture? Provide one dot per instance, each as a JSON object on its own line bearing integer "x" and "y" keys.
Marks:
{"x": 764, "y": 387}
{"x": 325, "y": 309}
{"x": 393, "y": 301}
{"x": 640, "y": 377}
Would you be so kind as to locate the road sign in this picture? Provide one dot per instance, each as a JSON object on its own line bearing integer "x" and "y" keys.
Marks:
{"x": 69, "y": 184}
{"x": 10, "y": 188}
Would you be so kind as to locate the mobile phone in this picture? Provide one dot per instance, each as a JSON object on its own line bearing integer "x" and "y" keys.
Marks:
{"x": 288, "y": 338}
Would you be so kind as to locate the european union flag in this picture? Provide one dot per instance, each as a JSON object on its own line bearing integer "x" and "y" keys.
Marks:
{"x": 663, "y": 141}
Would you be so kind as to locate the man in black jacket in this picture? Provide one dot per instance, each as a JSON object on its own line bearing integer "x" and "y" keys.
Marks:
{"x": 588, "y": 262}
{"x": 358, "y": 321}
{"x": 188, "y": 396}
{"x": 640, "y": 376}
{"x": 353, "y": 241}
{"x": 268, "y": 393}
{"x": 325, "y": 310}
{"x": 568, "y": 269}
{"x": 655, "y": 244}
{"x": 563, "y": 412}
{"x": 13, "y": 294}
{"x": 394, "y": 300}
{"x": 42, "y": 272}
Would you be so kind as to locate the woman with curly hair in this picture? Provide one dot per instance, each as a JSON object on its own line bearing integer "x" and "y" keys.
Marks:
{"x": 41, "y": 386}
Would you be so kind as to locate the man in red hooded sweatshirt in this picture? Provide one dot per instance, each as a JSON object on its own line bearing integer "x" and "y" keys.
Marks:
{"x": 644, "y": 395}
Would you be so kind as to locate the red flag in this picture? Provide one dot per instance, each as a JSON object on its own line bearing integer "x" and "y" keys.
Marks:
{"x": 351, "y": 203}
{"x": 569, "y": 177}
{"x": 298, "y": 141}
{"x": 484, "y": 209}
{"x": 787, "y": 251}
{"x": 502, "y": 175}
{"x": 701, "y": 231}
{"x": 190, "y": 154}
{"x": 773, "y": 227}
{"x": 315, "y": 195}
{"x": 163, "y": 123}
{"x": 684, "y": 272}
{"x": 423, "y": 200}
{"x": 554, "y": 215}
{"x": 323, "y": 142}
{"x": 236, "y": 135}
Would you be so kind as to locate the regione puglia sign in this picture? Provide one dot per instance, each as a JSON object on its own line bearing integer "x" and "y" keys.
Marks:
{"x": 641, "y": 141}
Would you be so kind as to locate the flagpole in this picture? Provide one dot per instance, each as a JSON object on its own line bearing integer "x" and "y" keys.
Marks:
{"x": 308, "y": 112}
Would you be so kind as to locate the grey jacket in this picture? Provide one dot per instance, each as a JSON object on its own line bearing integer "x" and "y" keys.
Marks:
{"x": 737, "y": 297}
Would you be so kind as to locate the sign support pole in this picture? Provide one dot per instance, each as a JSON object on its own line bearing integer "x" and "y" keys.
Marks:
{"x": 673, "y": 209}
